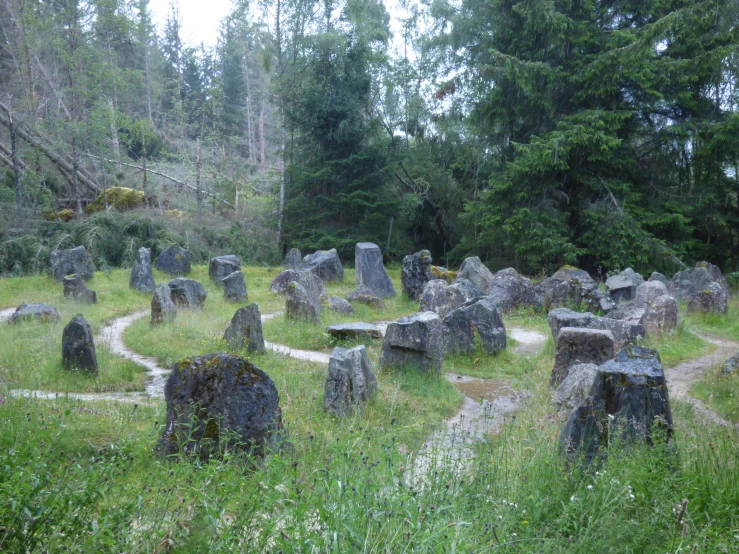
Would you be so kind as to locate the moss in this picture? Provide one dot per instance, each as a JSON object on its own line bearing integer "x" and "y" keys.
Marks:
{"x": 177, "y": 214}
{"x": 63, "y": 215}
{"x": 120, "y": 198}
{"x": 443, "y": 273}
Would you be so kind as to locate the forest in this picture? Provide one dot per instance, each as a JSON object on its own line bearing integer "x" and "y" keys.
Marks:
{"x": 531, "y": 133}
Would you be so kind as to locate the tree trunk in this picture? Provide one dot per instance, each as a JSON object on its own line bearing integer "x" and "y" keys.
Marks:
{"x": 281, "y": 209}
{"x": 199, "y": 192}
{"x": 75, "y": 179}
{"x": 114, "y": 132}
{"x": 262, "y": 157}
{"x": 16, "y": 169}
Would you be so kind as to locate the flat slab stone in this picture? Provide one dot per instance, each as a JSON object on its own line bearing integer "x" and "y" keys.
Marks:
{"x": 354, "y": 331}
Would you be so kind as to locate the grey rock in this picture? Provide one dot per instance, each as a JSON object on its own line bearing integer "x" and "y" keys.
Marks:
{"x": 162, "y": 307}
{"x": 74, "y": 288}
{"x": 68, "y": 262}
{"x": 299, "y": 304}
{"x": 570, "y": 286}
{"x": 717, "y": 275}
{"x": 78, "y": 346}
{"x": 686, "y": 284}
{"x": 314, "y": 286}
{"x": 174, "y": 261}
{"x": 416, "y": 273}
{"x": 731, "y": 365}
{"x": 621, "y": 288}
{"x": 581, "y": 276}
{"x": 339, "y": 305}
{"x": 433, "y": 296}
{"x": 627, "y": 402}
{"x": 293, "y": 258}
{"x": 508, "y": 289}
{"x": 633, "y": 276}
{"x": 658, "y": 277}
{"x": 42, "y": 312}
{"x": 648, "y": 292}
{"x": 712, "y": 299}
{"x": 580, "y": 346}
{"x": 142, "y": 277}
{"x": 575, "y": 388}
{"x": 325, "y": 264}
{"x": 623, "y": 333}
{"x": 187, "y": 293}
{"x": 350, "y": 381}
{"x": 234, "y": 288}
{"x": 221, "y": 267}
{"x": 414, "y": 341}
{"x": 281, "y": 283}
{"x": 473, "y": 270}
{"x": 245, "y": 330}
{"x": 441, "y": 298}
{"x": 661, "y": 316}
{"x": 354, "y": 331}
{"x": 370, "y": 270}
{"x": 217, "y": 402}
{"x": 363, "y": 295}
{"x": 476, "y": 318}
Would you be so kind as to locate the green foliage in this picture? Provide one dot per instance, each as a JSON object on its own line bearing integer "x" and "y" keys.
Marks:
{"x": 119, "y": 198}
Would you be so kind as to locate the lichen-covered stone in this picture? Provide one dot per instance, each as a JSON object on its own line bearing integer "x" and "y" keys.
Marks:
{"x": 234, "y": 287}
{"x": 416, "y": 273}
{"x": 71, "y": 262}
{"x": 658, "y": 277}
{"x": 363, "y": 295}
{"x": 293, "y": 258}
{"x": 187, "y": 293}
{"x": 632, "y": 276}
{"x": 621, "y": 288}
{"x": 221, "y": 267}
{"x": 354, "y": 331}
{"x": 299, "y": 305}
{"x": 569, "y": 287}
{"x": 162, "y": 307}
{"x": 661, "y": 316}
{"x": 245, "y": 330}
{"x": 142, "y": 277}
{"x": 476, "y": 273}
{"x": 350, "y": 381}
{"x": 370, "y": 270}
{"x": 580, "y": 346}
{"x": 174, "y": 261}
{"x": 217, "y": 402}
{"x": 712, "y": 299}
{"x": 433, "y": 296}
{"x": 414, "y": 341}
{"x": 74, "y": 288}
{"x": 478, "y": 318}
{"x": 325, "y": 264}
{"x": 78, "y": 346}
{"x": 281, "y": 283}
{"x": 441, "y": 298}
{"x": 624, "y": 333}
{"x": 575, "y": 388}
{"x": 686, "y": 284}
{"x": 339, "y": 305}
{"x": 716, "y": 274}
{"x": 508, "y": 289}
{"x": 42, "y": 312}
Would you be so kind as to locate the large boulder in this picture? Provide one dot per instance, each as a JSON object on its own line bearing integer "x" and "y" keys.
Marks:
{"x": 314, "y": 285}
{"x": 474, "y": 271}
{"x": 478, "y": 318}
{"x": 364, "y": 295}
{"x": 162, "y": 307}
{"x": 712, "y": 299}
{"x": 414, "y": 341}
{"x": 371, "y": 271}
{"x": 580, "y": 346}
{"x": 234, "y": 287}
{"x": 325, "y": 264}
{"x": 658, "y": 277}
{"x": 339, "y": 305}
{"x": 570, "y": 286}
{"x": 621, "y": 288}
{"x": 217, "y": 402}
{"x": 354, "y": 331}
{"x": 293, "y": 258}
{"x": 142, "y": 277}
{"x": 281, "y": 283}
{"x": 624, "y": 333}
{"x": 187, "y": 293}
{"x": 686, "y": 284}
{"x": 245, "y": 330}
{"x": 78, "y": 346}
{"x": 632, "y": 276}
{"x": 433, "y": 296}
{"x": 508, "y": 289}
{"x": 628, "y": 402}
{"x": 350, "y": 381}
{"x": 174, "y": 261}
{"x": 442, "y": 298}
{"x": 717, "y": 275}
{"x": 221, "y": 267}
{"x": 300, "y": 305}
{"x": 74, "y": 288}
{"x": 652, "y": 307}
{"x": 416, "y": 273}
{"x": 67, "y": 262}
{"x": 42, "y": 312}
{"x": 648, "y": 292}
{"x": 575, "y": 388}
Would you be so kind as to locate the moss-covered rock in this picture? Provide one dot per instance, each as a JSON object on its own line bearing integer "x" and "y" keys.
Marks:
{"x": 120, "y": 198}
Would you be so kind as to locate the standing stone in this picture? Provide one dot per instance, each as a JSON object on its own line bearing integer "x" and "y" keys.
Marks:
{"x": 187, "y": 293}
{"x": 475, "y": 272}
{"x": 442, "y": 298}
{"x": 686, "y": 284}
{"x": 293, "y": 258}
{"x": 74, "y": 287}
{"x": 245, "y": 330}
{"x": 234, "y": 287}
{"x": 174, "y": 261}
{"x": 354, "y": 331}
{"x": 315, "y": 287}
{"x": 142, "y": 277}
{"x": 350, "y": 381}
{"x": 414, "y": 341}
{"x": 716, "y": 274}
{"x": 648, "y": 292}
{"x": 162, "y": 307}
{"x": 221, "y": 267}
{"x": 325, "y": 264}
{"x": 371, "y": 271}
{"x": 621, "y": 288}
{"x": 78, "y": 346}
{"x": 416, "y": 273}
{"x": 712, "y": 299}
{"x": 477, "y": 318}
{"x": 632, "y": 275}
{"x": 42, "y": 312}
{"x": 281, "y": 283}
{"x": 661, "y": 316}
{"x": 572, "y": 286}
{"x": 658, "y": 277}
{"x": 628, "y": 401}
{"x": 68, "y": 262}
{"x": 363, "y": 295}
{"x": 339, "y": 305}
{"x": 508, "y": 289}
{"x": 300, "y": 305}
{"x": 580, "y": 346}
{"x": 433, "y": 296}
{"x": 217, "y": 402}
{"x": 624, "y": 333}
{"x": 575, "y": 388}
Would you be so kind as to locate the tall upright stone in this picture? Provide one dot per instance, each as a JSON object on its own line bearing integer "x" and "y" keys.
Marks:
{"x": 142, "y": 277}
{"x": 71, "y": 262}
{"x": 580, "y": 346}
{"x": 416, "y": 273}
{"x": 370, "y": 270}
{"x": 174, "y": 261}
{"x": 162, "y": 307}
{"x": 245, "y": 330}
{"x": 234, "y": 287}
{"x": 414, "y": 341}
{"x": 478, "y": 318}
{"x": 221, "y": 267}
{"x": 350, "y": 381}
{"x": 477, "y": 273}
{"x": 78, "y": 346}
{"x": 293, "y": 258}
{"x": 300, "y": 305}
